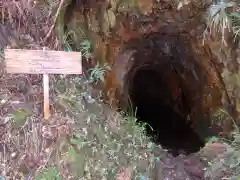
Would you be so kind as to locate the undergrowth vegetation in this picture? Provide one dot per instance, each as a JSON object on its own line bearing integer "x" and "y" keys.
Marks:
{"x": 80, "y": 141}
{"x": 227, "y": 164}
{"x": 84, "y": 139}
{"x": 223, "y": 20}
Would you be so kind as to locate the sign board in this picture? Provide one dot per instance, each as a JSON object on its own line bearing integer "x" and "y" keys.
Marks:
{"x": 42, "y": 62}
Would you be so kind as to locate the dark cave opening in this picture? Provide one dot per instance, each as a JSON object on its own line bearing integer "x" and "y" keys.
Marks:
{"x": 171, "y": 129}
{"x": 163, "y": 98}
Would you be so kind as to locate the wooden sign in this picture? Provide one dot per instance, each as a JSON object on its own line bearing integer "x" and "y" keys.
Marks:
{"x": 43, "y": 62}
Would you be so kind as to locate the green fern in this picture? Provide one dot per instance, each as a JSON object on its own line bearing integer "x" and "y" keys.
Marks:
{"x": 235, "y": 16}
{"x": 218, "y": 20}
{"x": 85, "y": 48}
{"x": 97, "y": 73}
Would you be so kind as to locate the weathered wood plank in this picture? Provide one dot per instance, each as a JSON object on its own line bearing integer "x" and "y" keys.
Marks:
{"x": 46, "y": 96}
{"x": 42, "y": 62}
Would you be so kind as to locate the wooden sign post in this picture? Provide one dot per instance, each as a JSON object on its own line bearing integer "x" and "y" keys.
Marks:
{"x": 21, "y": 61}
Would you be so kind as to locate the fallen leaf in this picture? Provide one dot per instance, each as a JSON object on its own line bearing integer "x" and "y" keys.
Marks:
{"x": 125, "y": 174}
{"x": 238, "y": 105}
{"x": 145, "y": 7}
{"x": 110, "y": 16}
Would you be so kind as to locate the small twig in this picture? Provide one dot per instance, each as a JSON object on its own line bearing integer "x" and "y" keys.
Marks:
{"x": 73, "y": 145}
{"x": 46, "y": 161}
{"x": 55, "y": 20}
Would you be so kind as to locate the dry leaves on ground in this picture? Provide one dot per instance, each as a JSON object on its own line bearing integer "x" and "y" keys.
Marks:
{"x": 125, "y": 174}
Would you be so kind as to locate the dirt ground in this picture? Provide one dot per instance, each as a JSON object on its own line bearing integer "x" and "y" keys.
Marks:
{"x": 83, "y": 139}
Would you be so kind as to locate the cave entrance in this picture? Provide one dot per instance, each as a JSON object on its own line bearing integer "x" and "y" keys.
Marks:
{"x": 164, "y": 92}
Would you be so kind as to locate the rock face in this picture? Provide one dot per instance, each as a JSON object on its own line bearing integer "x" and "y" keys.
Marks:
{"x": 165, "y": 83}
{"x": 118, "y": 29}
{"x": 193, "y": 167}
{"x": 180, "y": 168}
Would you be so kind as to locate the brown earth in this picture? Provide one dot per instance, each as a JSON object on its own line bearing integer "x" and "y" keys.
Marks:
{"x": 122, "y": 43}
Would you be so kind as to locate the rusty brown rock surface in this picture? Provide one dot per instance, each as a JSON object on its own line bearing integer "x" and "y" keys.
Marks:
{"x": 110, "y": 25}
{"x": 133, "y": 21}
{"x": 192, "y": 167}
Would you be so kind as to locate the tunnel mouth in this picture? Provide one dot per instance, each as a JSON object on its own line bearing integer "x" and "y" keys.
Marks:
{"x": 165, "y": 92}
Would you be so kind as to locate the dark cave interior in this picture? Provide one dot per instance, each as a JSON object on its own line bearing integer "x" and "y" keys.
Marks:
{"x": 172, "y": 130}
{"x": 163, "y": 98}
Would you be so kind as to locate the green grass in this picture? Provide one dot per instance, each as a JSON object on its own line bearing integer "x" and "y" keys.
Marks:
{"x": 83, "y": 139}
{"x": 51, "y": 173}
{"x": 107, "y": 141}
